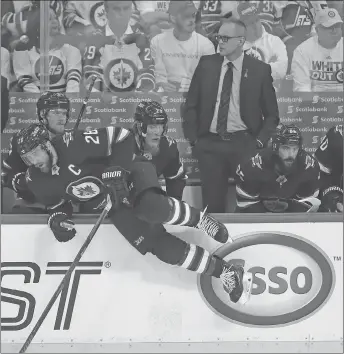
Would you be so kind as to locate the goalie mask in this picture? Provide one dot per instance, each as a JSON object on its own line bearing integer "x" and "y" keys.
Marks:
{"x": 31, "y": 141}
{"x": 148, "y": 113}
{"x": 52, "y": 101}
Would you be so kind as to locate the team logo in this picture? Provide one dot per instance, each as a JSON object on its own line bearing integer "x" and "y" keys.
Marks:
{"x": 120, "y": 75}
{"x": 98, "y": 15}
{"x": 85, "y": 190}
{"x": 281, "y": 180}
{"x": 339, "y": 75}
{"x": 331, "y": 14}
{"x": 292, "y": 280}
{"x": 56, "y": 69}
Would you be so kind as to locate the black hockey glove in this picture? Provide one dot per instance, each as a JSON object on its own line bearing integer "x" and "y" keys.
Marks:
{"x": 332, "y": 200}
{"x": 20, "y": 187}
{"x": 115, "y": 179}
{"x": 61, "y": 226}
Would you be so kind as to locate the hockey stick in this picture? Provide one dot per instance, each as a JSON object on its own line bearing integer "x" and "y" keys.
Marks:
{"x": 84, "y": 103}
{"x": 67, "y": 275}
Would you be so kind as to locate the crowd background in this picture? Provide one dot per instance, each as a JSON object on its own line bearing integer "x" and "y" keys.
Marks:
{"x": 58, "y": 45}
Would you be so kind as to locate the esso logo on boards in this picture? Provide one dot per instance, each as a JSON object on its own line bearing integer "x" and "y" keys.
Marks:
{"x": 292, "y": 279}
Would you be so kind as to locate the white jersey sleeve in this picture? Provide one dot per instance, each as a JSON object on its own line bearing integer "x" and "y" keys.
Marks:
{"x": 279, "y": 64}
{"x": 157, "y": 56}
{"x": 73, "y": 63}
{"x": 23, "y": 71}
{"x": 5, "y": 64}
{"x": 300, "y": 71}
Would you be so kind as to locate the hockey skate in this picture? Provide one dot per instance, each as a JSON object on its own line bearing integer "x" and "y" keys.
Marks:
{"x": 237, "y": 283}
{"x": 213, "y": 228}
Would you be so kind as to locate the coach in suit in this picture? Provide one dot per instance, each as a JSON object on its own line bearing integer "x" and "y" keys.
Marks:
{"x": 231, "y": 110}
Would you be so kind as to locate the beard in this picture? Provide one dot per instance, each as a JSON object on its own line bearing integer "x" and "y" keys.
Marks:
{"x": 152, "y": 148}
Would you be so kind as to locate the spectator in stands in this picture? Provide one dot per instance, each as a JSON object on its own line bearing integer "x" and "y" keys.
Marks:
{"x": 122, "y": 57}
{"x": 231, "y": 109}
{"x": 176, "y": 53}
{"x": 64, "y": 63}
{"x": 318, "y": 62}
{"x": 5, "y": 79}
{"x": 154, "y": 17}
{"x": 262, "y": 45}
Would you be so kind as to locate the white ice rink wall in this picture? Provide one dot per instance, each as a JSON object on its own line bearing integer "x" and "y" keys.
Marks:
{"x": 120, "y": 301}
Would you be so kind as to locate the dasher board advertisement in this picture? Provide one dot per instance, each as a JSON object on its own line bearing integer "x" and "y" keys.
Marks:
{"x": 116, "y": 295}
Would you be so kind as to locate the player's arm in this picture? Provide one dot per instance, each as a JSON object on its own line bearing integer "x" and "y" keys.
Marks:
{"x": 300, "y": 71}
{"x": 73, "y": 75}
{"x": 247, "y": 185}
{"x": 92, "y": 62}
{"x": 146, "y": 76}
{"x": 308, "y": 191}
{"x": 174, "y": 173}
{"x": 325, "y": 154}
{"x": 13, "y": 173}
{"x": 22, "y": 70}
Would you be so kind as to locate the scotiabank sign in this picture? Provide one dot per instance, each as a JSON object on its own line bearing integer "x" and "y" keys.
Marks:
{"x": 24, "y": 276}
{"x": 293, "y": 278}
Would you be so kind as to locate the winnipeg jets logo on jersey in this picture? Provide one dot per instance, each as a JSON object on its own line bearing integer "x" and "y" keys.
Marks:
{"x": 86, "y": 190}
{"x": 281, "y": 180}
{"x": 120, "y": 74}
{"x": 98, "y": 15}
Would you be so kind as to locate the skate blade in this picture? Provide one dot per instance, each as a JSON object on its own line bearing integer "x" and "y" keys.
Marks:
{"x": 247, "y": 285}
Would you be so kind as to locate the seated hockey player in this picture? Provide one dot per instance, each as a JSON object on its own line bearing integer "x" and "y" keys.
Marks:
{"x": 122, "y": 56}
{"x": 75, "y": 169}
{"x": 281, "y": 178}
{"x": 330, "y": 157}
{"x": 53, "y": 109}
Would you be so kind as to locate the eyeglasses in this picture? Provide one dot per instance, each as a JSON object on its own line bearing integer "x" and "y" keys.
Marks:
{"x": 224, "y": 39}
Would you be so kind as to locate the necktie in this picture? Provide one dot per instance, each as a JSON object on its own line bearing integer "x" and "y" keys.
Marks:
{"x": 222, "y": 116}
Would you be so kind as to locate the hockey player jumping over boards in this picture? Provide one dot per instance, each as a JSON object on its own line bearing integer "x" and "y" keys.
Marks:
{"x": 53, "y": 110}
{"x": 284, "y": 178}
{"x": 330, "y": 157}
{"x": 73, "y": 167}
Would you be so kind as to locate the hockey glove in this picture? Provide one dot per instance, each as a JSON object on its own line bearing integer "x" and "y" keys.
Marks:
{"x": 332, "y": 200}
{"x": 61, "y": 226}
{"x": 115, "y": 179}
{"x": 20, "y": 187}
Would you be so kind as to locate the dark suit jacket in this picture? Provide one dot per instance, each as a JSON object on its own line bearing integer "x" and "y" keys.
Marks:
{"x": 258, "y": 103}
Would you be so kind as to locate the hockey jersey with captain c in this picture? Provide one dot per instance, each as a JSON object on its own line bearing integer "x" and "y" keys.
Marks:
{"x": 64, "y": 69}
{"x": 317, "y": 69}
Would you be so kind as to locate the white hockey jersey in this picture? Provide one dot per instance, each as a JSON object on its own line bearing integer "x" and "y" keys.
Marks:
{"x": 176, "y": 61}
{"x": 64, "y": 69}
{"x": 317, "y": 69}
{"x": 271, "y": 50}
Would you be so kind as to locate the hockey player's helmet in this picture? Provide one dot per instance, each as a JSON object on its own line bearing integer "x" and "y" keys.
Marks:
{"x": 286, "y": 135}
{"x": 30, "y": 138}
{"x": 52, "y": 100}
{"x": 149, "y": 112}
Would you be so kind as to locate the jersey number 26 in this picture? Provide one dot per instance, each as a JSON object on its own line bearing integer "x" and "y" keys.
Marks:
{"x": 92, "y": 136}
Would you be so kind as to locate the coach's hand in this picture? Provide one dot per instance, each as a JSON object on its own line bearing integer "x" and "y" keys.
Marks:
{"x": 61, "y": 226}
{"x": 116, "y": 180}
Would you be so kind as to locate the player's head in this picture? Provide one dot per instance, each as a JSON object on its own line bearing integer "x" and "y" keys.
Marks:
{"x": 286, "y": 143}
{"x": 118, "y": 13}
{"x": 231, "y": 36}
{"x": 35, "y": 148}
{"x": 150, "y": 122}
{"x": 54, "y": 24}
{"x": 183, "y": 15}
{"x": 53, "y": 111}
{"x": 329, "y": 27}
